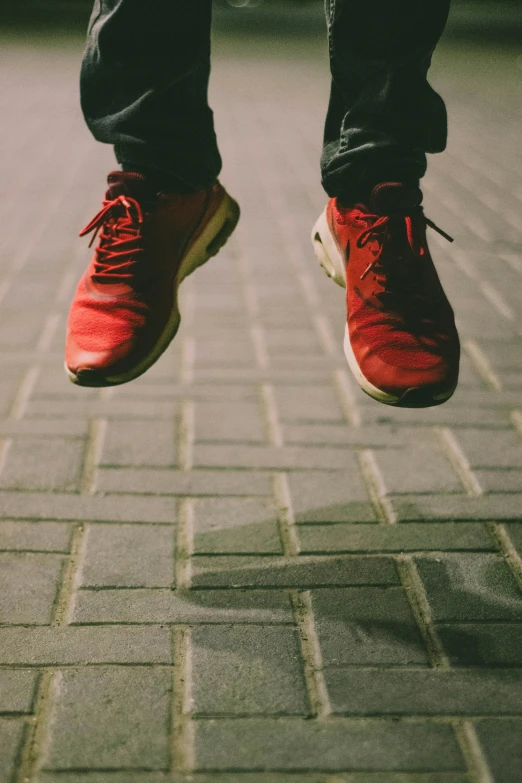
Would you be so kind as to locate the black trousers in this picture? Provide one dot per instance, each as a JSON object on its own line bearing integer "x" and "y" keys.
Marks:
{"x": 145, "y": 74}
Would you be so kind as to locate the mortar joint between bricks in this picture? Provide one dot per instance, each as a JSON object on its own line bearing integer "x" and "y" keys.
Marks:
{"x": 251, "y": 300}
{"x": 187, "y": 426}
{"x": 285, "y": 515}
{"x": 184, "y": 543}
{"x": 107, "y": 393}
{"x": 516, "y": 418}
{"x": 245, "y": 271}
{"x": 96, "y": 434}
{"x": 497, "y": 300}
{"x": 458, "y": 460}
{"x": 507, "y": 549}
{"x": 324, "y": 330}
{"x": 421, "y": 610}
{"x": 5, "y": 445}
{"x": 271, "y": 414}
{"x": 481, "y": 364}
{"x": 311, "y": 654}
{"x": 471, "y": 749}
{"x": 50, "y": 326}
{"x": 64, "y": 604}
{"x": 188, "y": 304}
{"x": 37, "y": 733}
{"x": 182, "y": 728}
{"x": 21, "y": 399}
{"x": 308, "y": 287}
{"x": 376, "y": 487}
{"x": 346, "y": 396}
{"x": 187, "y": 361}
{"x": 257, "y": 334}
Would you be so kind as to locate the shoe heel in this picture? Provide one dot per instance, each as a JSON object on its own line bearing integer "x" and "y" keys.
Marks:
{"x": 327, "y": 252}
{"x": 224, "y": 235}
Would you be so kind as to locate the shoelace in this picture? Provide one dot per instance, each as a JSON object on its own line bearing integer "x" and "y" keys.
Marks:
{"x": 119, "y": 238}
{"x": 406, "y": 289}
{"x": 378, "y": 229}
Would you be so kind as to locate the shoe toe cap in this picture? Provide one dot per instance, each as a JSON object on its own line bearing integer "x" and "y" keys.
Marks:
{"x": 414, "y": 387}
{"x": 94, "y": 368}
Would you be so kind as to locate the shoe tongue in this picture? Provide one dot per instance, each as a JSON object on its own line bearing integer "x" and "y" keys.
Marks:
{"x": 129, "y": 183}
{"x": 395, "y": 198}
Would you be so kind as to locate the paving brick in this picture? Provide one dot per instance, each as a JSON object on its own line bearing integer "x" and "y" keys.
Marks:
{"x": 339, "y": 496}
{"x": 266, "y": 281}
{"x": 499, "y": 480}
{"x": 28, "y": 587}
{"x": 120, "y": 409}
{"x": 8, "y": 389}
{"x": 515, "y": 534}
{"x": 236, "y": 526}
{"x": 470, "y": 587}
{"x": 225, "y": 777}
{"x": 482, "y": 644}
{"x": 11, "y": 736}
{"x": 288, "y": 340}
{"x": 211, "y": 351}
{"x": 466, "y": 414}
{"x": 297, "y": 744}
{"x": 343, "y": 434}
{"x": 78, "y": 645}
{"x": 33, "y": 428}
{"x": 417, "y": 469}
{"x": 367, "y": 626}
{"x": 310, "y": 777}
{"x": 140, "y": 443}
{"x": 229, "y": 421}
{"x": 246, "y": 571}
{"x": 128, "y": 556}
{"x": 166, "y": 606}
{"x": 500, "y": 741}
{"x": 191, "y": 483}
{"x": 247, "y": 670}
{"x": 280, "y": 377}
{"x": 409, "y": 537}
{"x": 416, "y": 508}
{"x": 31, "y": 537}
{"x": 127, "y": 776}
{"x": 308, "y": 403}
{"x": 484, "y": 401}
{"x": 357, "y": 691}
{"x": 43, "y": 463}
{"x": 491, "y": 449}
{"x": 250, "y": 777}
{"x": 501, "y": 355}
{"x": 17, "y": 688}
{"x": 149, "y": 388}
{"x": 110, "y": 718}
{"x": 270, "y": 457}
{"x": 118, "y": 508}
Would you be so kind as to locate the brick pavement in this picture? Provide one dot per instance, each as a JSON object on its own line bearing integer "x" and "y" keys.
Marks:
{"x": 238, "y": 566}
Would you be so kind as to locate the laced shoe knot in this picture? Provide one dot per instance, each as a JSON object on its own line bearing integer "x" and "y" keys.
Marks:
{"x": 118, "y": 225}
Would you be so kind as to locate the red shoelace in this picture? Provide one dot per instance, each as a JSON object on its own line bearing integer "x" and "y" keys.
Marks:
{"x": 119, "y": 226}
{"x": 392, "y": 278}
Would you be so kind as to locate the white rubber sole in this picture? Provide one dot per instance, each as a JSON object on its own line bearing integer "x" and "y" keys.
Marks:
{"x": 214, "y": 236}
{"x": 331, "y": 260}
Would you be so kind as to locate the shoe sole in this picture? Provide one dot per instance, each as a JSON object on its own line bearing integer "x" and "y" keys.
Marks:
{"x": 332, "y": 262}
{"x": 214, "y": 236}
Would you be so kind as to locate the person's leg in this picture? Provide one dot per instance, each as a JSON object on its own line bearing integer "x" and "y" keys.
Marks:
{"x": 383, "y": 115}
{"x": 144, "y": 83}
{"x": 144, "y": 90}
{"x": 400, "y": 339}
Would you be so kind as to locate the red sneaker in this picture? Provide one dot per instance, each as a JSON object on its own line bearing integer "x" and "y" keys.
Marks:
{"x": 401, "y": 342}
{"x": 125, "y": 311}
